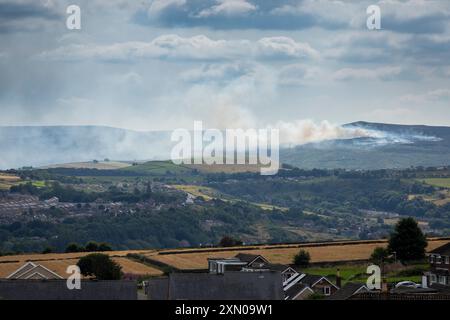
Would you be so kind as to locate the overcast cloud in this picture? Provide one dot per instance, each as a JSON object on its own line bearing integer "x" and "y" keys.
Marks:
{"x": 150, "y": 65}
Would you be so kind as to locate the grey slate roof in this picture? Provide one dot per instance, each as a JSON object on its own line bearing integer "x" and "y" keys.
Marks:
{"x": 277, "y": 267}
{"x": 228, "y": 286}
{"x": 294, "y": 290}
{"x": 348, "y": 290}
{"x": 18, "y": 289}
{"x": 246, "y": 257}
{"x": 310, "y": 279}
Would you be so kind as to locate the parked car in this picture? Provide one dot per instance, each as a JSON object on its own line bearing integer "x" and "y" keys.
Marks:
{"x": 407, "y": 284}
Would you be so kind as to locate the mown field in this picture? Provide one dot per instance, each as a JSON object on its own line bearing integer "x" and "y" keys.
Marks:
{"x": 347, "y": 255}
{"x": 58, "y": 262}
{"x": 328, "y": 253}
{"x": 100, "y": 165}
{"x": 7, "y": 180}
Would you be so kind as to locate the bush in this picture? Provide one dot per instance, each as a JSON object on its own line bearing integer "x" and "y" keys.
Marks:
{"x": 91, "y": 246}
{"x": 302, "y": 258}
{"x": 47, "y": 250}
{"x": 104, "y": 247}
{"x": 379, "y": 254}
{"x": 101, "y": 266}
{"x": 229, "y": 242}
{"x": 74, "y": 247}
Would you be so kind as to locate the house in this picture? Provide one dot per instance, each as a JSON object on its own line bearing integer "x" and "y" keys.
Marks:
{"x": 231, "y": 285}
{"x": 19, "y": 289}
{"x": 32, "y": 271}
{"x": 296, "y": 286}
{"x": 295, "y": 290}
{"x": 299, "y": 291}
{"x": 349, "y": 290}
{"x": 220, "y": 265}
{"x": 252, "y": 260}
{"x": 249, "y": 263}
{"x": 439, "y": 273}
{"x": 319, "y": 284}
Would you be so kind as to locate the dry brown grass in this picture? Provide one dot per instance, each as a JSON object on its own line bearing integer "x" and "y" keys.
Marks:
{"x": 9, "y": 177}
{"x": 284, "y": 254}
{"x": 134, "y": 267}
{"x": 329, "y": 253}
{"x": 59, "y": 263}
{"x": 7, "y": 180}
{"x": 64, "y": 256}
{"x": 101, "y": 165}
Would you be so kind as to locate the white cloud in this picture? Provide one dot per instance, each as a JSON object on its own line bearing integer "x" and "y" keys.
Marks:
{"x": 285, "y": 46}
{"x": 218, "y": 72}
{"x": 228, "y": 8}
{"x": 198, "y": 47}
{"x": 380, "y": 73}
{"x": 414, "y": 9}
{"x": 160, "y": 5}
{"x": 430, "y": 96}
{"x": 298, "y": 74}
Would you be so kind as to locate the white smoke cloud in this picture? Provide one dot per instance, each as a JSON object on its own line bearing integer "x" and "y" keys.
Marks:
{"x": 305, "y": 131}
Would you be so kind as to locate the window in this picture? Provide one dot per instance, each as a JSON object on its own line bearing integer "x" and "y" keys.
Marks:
{"x": 433, "y": 278}
{"x": 212, "y": 266}
{"x": 442, "y": 280}
{"x": 326, "y": 291}
{"x": 431, "y": 259}
{"x": 438, "y": 259}
{"x": 447, "y": 260}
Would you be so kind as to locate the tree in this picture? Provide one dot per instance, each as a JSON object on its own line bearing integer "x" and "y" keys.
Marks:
{"x": 91, "y": 246}
{"x": 407, "y": 240}
{"x": 229, "y": 242}
{"x": 379, "y": 254}
{"x": 47, "y": 250}
{"x": 104, "y": 247}
{"x": 302, "y": 258}
{"x": 74, "y": 247}
{"x": 101, "y": 266}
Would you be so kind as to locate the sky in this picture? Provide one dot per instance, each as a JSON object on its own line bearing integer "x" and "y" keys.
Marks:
{"x": 161, "y": 64}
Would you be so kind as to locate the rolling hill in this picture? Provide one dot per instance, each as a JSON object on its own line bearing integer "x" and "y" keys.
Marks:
{"x": 390, "y": 146}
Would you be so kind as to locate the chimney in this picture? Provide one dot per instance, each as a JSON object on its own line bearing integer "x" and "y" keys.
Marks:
{"x": 338, "y": 278}
{"x": 384, "y": 286}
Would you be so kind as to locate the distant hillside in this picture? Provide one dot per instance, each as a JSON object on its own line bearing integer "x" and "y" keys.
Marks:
{"x": 47, "y": 145}
{"x": 391, "y": 146}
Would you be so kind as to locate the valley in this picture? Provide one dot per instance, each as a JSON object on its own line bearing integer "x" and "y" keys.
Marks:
{"x": 158, "y": 204}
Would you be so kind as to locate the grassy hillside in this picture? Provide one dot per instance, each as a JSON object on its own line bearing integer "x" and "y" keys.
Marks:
{"x": 438, "y": 182}
{"x": 8, "y": 180}
{"x": 100, "y": 165}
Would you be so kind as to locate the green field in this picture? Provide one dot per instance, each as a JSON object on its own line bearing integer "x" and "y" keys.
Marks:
{"x": 159, "y": 168}
{"x": 357, "y": 273}
{"x": 209, "y": 194}
{"x": 437, "y": 182}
